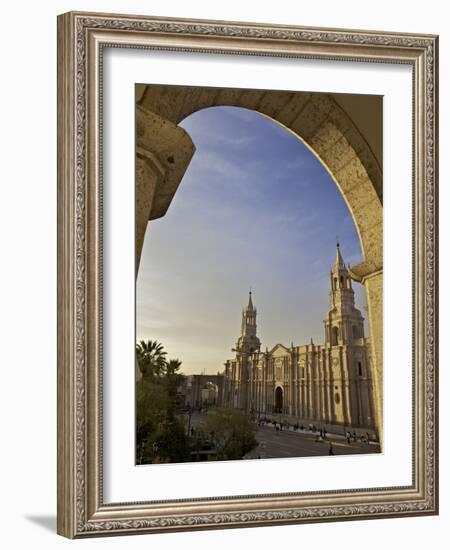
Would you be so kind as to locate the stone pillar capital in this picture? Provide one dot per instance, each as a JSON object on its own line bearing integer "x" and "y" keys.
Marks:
{"x": 365, "y": 270}
{"x": 163, "y": 153}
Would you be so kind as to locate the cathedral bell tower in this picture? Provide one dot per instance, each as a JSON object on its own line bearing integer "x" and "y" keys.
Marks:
{"x": 344, "y": 323}
{"x": 247, "y": 344}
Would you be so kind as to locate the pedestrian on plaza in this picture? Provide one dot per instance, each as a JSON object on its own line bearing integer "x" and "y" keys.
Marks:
{"x": 347, "y": 435}
{"x": 331, "y": 450}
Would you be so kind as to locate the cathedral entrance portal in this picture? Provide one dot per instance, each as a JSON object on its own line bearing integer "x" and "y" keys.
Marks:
{"x": 278, "y": 400}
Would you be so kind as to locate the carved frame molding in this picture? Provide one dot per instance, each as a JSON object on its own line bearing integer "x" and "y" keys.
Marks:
{"x": 81, "y": 37}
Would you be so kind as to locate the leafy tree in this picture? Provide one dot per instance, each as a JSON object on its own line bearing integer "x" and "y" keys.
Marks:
{"x": 171, "y": 442}
{"x": 160, "y": 433}
{"x": 151, "y": 406}
{"x": 232, "y": 433}
{"x": 173, "y": 381}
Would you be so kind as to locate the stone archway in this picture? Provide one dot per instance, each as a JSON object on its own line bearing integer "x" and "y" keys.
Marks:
{"x": 205, "y": 389}
{"x": 164, "y": 151}
{"x": 210, "y": 393}
{"x": 316, "y": 118}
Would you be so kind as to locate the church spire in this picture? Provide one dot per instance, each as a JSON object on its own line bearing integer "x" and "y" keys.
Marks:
{"x": 339, "y": 262}
{"x": 248, "y": 341}
{"x": 340, "y": 277}
{"x": 344, "y": 323}
{"x": 250, "y": 303}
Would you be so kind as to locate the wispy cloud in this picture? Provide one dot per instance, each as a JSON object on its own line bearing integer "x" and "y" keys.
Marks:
{"x": 255, "y": 208}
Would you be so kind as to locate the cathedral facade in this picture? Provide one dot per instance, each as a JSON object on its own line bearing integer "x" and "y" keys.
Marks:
{"x": 320, "y": 384}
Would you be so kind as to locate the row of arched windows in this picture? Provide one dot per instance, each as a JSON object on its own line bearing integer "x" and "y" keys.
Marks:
{"x": 341, "y": 283}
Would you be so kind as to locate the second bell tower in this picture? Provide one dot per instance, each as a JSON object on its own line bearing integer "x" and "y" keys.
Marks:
{"x": 344, "y": 323}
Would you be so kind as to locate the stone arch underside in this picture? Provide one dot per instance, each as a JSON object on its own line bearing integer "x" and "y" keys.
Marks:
{"x": 164, "y": 151}
{"x": 319, "y": 121}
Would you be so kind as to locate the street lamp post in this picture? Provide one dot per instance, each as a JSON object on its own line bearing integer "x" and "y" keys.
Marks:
{"x": 189, "y": 420}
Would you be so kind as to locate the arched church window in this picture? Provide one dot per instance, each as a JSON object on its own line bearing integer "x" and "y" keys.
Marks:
{"x": 335, "y": 336}
{"x": 355, "y": 332}
{"x": 337, "y": 398}
{"x": 341, "y": 278}
{"x": 360, "y": 371}
{"x": 335, "y": 283}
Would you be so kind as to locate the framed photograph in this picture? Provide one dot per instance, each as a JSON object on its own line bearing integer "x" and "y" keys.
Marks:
{"x": 247, "y": 283}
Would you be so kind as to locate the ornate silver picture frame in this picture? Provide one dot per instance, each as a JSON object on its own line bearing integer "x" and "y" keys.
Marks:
{"x": 82, "y": 41}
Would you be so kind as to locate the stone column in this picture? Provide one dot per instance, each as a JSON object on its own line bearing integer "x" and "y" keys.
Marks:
{"x": 309, "y": 387}
{"x": 328, "y": 381}
{"x": 360, "y": 407}
{"x": 374, "y": 292}
{"x": 149, "y": 173}
{"x": 304, "y": 408}
{"x": 371, "y": 276}
{"x": 163, "y": 153}
{"x": 368, "y": 405}
{"x": 345, "y": 385}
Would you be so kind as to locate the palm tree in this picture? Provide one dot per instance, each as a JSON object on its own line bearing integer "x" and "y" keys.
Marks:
{"x": 151, "y": 358}
{"x": 173, "y": 366}
{"x": 173, "y": 380}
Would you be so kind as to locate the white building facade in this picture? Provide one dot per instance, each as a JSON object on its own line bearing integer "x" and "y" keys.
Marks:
{"x": 321, "y": 384}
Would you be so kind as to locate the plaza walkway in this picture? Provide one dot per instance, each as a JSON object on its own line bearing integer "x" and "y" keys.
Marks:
{"x": 289, "y": 443}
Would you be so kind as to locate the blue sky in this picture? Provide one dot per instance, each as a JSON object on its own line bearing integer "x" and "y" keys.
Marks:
{"x": 255, "y": 209}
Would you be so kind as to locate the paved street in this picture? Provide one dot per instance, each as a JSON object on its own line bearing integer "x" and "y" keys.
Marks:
{"x": 287, "y": 443}
{"x": 290, "y": 443}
